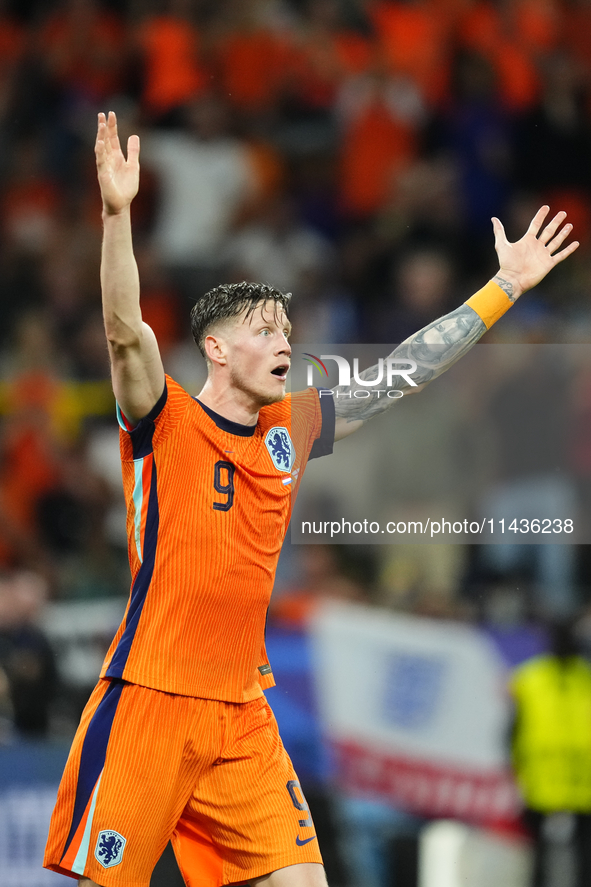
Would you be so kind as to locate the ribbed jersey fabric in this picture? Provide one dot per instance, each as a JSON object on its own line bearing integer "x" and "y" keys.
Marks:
{"x": 208, "y": 505}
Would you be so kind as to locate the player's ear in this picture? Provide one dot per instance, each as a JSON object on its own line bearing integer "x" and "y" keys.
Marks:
{"x": 216, "y": 349}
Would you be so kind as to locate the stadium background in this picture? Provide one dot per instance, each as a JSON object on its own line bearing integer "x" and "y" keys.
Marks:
{"x": 349, "y": 151}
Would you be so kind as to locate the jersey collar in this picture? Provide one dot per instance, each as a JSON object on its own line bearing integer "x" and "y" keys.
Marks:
{"x": 227, "y": 424}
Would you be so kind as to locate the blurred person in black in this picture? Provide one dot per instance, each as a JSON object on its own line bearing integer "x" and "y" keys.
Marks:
{"x": 475, "y": 131}
{"x": 26, "y": 657}
{"x": 422, "y": 282}
{"x": 559, "y": 122}
{"x": 552, "y": 759}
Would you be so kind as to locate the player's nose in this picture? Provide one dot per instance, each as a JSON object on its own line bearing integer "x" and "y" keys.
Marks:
{"x": 284, "y": 346}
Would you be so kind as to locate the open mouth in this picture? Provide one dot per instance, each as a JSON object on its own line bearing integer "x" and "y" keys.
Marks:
{"x": 281, "y": 371}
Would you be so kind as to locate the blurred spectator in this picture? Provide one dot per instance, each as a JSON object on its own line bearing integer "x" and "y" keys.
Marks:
{"x": 252, "y": 54}
{"x": 90, "y": 358}
{"x": 379, "y": 116}
{"x": 537, "y": 23}
{"x": 423, "y": 207}
{"x": 531, "y": 478}
{"x": 423, "y": 579}
{"x": 205, "y": 179}
{"x": 576, "y": 31}
{"x": 553, "y": 139}
{"x": 373, "y": 834}
{"x": 13, "y": 36}
{"x": 552, "y": 759}
{"x": 323, "y": 575}
{"x": 13, "y": 43}
{"x": 26, "y": 657}
{"x": 489, "y": 29}
{"x": 422, "y": 289}
{"x": 84, "y": 49}
{"x": 30, "y": 201}
{"x": 160, "y": 304}
{"x": 506, "y": 617}
{"x": 474, "y": 129}
{"x": 48, "y": 493}
{"x": 327, "y": 53}
{"x": 80, "y": 61}
{"x": 413, "y": 39}
{"x": 173, "y": 73}
{"x": 276, "y": 247}
{"x": 70, "y": 282}
{"x": 70, "y": 515}
{"x": 30, "y": 442}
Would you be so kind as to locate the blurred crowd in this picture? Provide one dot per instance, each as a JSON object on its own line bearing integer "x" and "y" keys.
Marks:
{"x": 349, "y": 151}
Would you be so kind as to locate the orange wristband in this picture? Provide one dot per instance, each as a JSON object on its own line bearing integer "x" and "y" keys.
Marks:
{"x": 490, "y": 303}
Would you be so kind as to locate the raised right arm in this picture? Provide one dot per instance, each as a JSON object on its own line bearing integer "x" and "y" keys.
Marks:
{"x": 136, "y": 366}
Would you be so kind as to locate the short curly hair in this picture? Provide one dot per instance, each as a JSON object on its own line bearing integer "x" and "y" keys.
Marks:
{"x": 229, "y": 300}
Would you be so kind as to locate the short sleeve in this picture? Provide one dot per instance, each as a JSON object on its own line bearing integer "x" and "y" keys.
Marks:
{"x": 324, "y": 444}
{"x": 141, "y": 439}
{"x": 312, "y": 421}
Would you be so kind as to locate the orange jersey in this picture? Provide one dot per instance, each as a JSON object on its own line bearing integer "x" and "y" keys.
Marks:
{"x": 208, "y": 505}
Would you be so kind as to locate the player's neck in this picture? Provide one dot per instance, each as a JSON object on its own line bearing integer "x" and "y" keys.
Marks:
{"x": 231, "y": 403}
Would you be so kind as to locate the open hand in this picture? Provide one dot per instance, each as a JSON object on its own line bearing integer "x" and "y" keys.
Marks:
{"x": 527, "y": 261}
{"x": 118, "y": 178}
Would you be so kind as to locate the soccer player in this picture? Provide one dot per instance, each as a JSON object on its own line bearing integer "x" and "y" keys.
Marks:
{"x": 177, "y": 741}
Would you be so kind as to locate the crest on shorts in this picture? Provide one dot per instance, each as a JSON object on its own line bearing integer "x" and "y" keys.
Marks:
{"x": 280, "y": 447}
{"x": 109, "y": 848}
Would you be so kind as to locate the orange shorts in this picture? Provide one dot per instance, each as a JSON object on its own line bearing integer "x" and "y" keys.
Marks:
{"x": 146, "y": 767}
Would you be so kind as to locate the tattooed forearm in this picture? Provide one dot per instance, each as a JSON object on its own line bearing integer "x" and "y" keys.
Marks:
{"x": 506, "y": 286}
{"x": 434, "y": 349}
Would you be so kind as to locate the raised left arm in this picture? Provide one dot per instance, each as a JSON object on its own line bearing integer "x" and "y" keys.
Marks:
{"x": 436, "y": 347}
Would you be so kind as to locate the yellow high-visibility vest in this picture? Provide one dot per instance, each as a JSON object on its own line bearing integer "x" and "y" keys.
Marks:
{"x": 552, "y": 741}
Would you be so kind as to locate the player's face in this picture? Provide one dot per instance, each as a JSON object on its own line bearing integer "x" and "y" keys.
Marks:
{"x": 260, "y": 354}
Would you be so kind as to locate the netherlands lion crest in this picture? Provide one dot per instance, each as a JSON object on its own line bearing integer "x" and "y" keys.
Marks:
{"x": 109, "y": 848}
{"x": 280, "y": 447}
